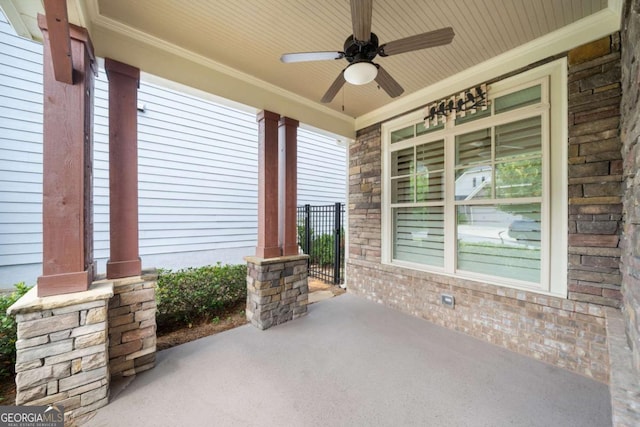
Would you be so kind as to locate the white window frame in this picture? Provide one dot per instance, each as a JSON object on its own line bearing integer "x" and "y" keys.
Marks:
{"x": 554, "y": 218}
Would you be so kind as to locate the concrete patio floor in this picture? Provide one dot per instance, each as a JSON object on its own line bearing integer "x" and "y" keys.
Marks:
{"x": 351, "y": 362}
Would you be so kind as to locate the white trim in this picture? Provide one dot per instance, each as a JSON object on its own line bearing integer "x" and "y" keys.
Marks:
{"x": 545, "y": 243}
{"x": 576, "y": 34}
{"x": 488, "y": 280}
{"x": 83, "y": 13}
{"x": 559, "y": 248}
{"x": 341, "y": 140}
{"x": 616, "y": 6}
{"x": 553, "y": 110}
{"x": 385, "y": 202}
{"x": 347, "y": 166}
{"x": 15, "y": 19}
{"x": 158, "y": 43}
{"x": 179, "y": 87}
{"x": 117, "y": 27}
{"x": 449, "y": 208}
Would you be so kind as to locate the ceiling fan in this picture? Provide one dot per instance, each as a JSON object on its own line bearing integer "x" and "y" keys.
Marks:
{"x": 362, "y": 47}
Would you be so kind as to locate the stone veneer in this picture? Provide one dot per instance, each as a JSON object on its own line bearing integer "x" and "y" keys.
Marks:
{"x": 595, "y": 172}
{"x": 71, "y": 345}
{"x": 62, "y": 350}
{"x": 277, "y": 289}
{"x": 571, "y": 332}
{"x": 132, "y": 325}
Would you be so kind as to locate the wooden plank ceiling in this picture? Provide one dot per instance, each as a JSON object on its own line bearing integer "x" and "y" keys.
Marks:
{"x": 250, "y": 36}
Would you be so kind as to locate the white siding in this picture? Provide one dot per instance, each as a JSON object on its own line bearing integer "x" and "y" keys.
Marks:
{"x": 197, "y": 172}
{"x": 321, "y": 169}
{"x": 20, "y": 156}
{"x": 197, "y": 168}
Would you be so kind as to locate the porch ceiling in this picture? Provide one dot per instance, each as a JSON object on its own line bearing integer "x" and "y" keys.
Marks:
{"x": 232, "y": 49}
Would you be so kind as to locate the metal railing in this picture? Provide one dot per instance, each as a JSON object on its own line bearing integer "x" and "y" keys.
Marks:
{"x": 321, "y": 236}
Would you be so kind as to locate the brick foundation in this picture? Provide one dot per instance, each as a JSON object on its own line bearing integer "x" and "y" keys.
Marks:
{"x": 132, "y": 325}
{"x": 569, "y": 334}
{"x": 277, "y": 290}
{"x": 62, "y": 350}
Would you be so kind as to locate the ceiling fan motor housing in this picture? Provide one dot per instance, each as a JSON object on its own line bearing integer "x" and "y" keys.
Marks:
{"x": 359, "y": 51}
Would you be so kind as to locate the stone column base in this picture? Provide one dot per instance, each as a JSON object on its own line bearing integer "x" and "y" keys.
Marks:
{"x": 62, "y": 349}
{"x": 277, "y": 289}
{"x": 63, "y": 354}
{"x": 132, "y": 325}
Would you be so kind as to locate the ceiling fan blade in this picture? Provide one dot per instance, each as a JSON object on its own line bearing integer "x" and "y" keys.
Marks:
{"x": 419, "y": 41}
{"x": 310, "y": 56}
{"x": 361, "y": 11}
{"x": 388, "y": 83}
{"x": 333, "y": 89}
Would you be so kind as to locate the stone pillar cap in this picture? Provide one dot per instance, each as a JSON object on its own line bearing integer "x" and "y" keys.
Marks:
{"x": 30, "y": 301}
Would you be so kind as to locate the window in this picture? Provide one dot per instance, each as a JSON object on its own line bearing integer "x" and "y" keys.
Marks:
{"x": 473, "y": 197}
{"x": 417, "y": 193}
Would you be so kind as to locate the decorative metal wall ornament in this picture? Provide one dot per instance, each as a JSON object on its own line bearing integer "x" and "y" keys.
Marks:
{"x": 467, "y": 102}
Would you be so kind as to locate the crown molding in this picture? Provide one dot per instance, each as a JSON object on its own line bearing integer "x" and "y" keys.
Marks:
{"x": 117, "y": 27}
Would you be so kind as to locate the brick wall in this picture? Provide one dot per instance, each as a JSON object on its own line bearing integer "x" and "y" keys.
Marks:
{"x": 566, "y": 332}
{"x": 595, "y": 172}
{"x": 569, "y": 334}
{"x": 630, "y": 133}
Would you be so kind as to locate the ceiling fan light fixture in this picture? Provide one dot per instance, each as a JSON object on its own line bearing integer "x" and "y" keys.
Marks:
{"x": 360, "y": 73}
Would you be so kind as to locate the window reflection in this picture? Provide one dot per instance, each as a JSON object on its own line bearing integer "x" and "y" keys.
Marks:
{"x": 502, "y": 240}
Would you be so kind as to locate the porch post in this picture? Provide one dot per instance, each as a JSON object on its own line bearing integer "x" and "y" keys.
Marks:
{"x": 277, "y": 288}
{"x": 124, "y": 260}
{"x": 288, "y": 129}
{"x": 267, "y": 185}
{"x": 67, "y": 170}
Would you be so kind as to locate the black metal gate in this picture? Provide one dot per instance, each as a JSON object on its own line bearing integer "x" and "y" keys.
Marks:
{"x": 321, "y": 236}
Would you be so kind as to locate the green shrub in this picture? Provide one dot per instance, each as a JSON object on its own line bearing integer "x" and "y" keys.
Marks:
{"x": 194, "y": 294}
{"x": 322, "y": 253}
{"x": 8, "y": 330}
{"x": 323, "y": 249}
{"x": 302, "y": 231}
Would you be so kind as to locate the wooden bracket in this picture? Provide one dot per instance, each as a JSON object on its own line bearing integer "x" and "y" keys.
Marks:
{"x": 59, "y": 39}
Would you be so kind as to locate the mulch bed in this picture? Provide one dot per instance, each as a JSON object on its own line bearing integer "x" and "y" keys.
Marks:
{"x": 229, "y": 319}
